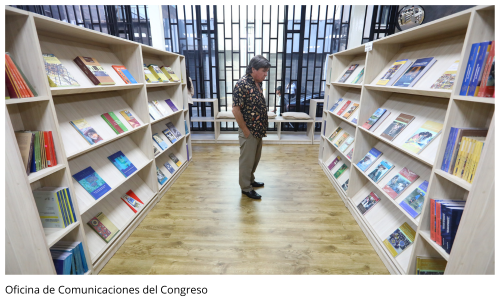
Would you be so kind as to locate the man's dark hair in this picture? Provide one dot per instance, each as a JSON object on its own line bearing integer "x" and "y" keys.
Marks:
{"x": 257, "y": 62}
{"x": 278, "y": 89}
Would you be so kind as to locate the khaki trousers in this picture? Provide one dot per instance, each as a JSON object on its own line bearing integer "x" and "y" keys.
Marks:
{"x": 250, "y": 151}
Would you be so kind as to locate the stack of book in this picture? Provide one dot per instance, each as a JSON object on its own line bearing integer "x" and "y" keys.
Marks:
{"x": 430, "y": 266}
{"x": 445, "y": 216}
{"x": 55, "y": 207}
{"x": 16, "y": 83}
{"x": 479, "y": 78}
{"x": 69, "y": 258}
{"x": 37, "y": 150}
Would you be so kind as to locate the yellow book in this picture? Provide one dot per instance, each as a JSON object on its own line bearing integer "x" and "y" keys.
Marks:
{"x": 157, "y": 73}
{"x": 459, "y": 160}
{"x": 470, "y": 156}
{"x": 477, "y": 156}
{"x": 470, "y": 164}
{"x": 170, "y": 74}
{"x": 465, "y": 156}
{"x": 150, "y": 78}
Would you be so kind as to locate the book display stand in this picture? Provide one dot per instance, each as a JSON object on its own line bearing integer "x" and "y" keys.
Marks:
{"x": 27, "y": 37}
{"x": 448, "y": 39}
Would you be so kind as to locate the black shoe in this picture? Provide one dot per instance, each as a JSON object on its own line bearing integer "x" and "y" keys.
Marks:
{"x": 252, "y": 194}
{"x": 257, "y": 184}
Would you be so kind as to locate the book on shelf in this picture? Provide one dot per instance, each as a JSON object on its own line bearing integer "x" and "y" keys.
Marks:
{"x": 130, "y": 118}
{"x": 169, "y": 72}
{"x": 154, "y": 112}
{"x": 475, "y": 81}
{"x": 187, "y": 151}
{"x": 346, "y": 144}
{"x": 354, "y": 120}
{"x": 346, "y": 105}
{"x": 55, "y": 207}
{"x": 103, "y": 227}
{"x": 79, "y": 262}
{"x": 132, "y": 201}
{"x": 348, "y": 72}
{"x": 369, "y": 159}
{"x": 160, "y": 142}
{"x": 398, "y": 125}
{"x": 334, "y": 107}
{"x": 382, "y": 169}
{"x": 341, "y": 139}
{"x": 394, "y": 72}
{"x": 17, "y": 80}
{"x": 351, "y": 110}
{"x": 174, "y": 130}
{"x": 57, "y": 74}
{"x": 349, "y": 155}
{"x": 334, "y": 163}
{"x": 160, "y": 176}
{"x": 92, "y": 182}
{"x": 446, "y": 81}
{"x": 368, "y": 203}
{"x": 25, "y": 142}
{"x": 415, "y": 72}
{"x": 86, "y": 131}
{"x": 453, "y": 145}
{"x": 169, "y": 135}
{"x": 163, "y": 111}
{"x": 430, "y": 266}
{"x": 186, "y": 126}
{"x": 112, "y": 120}
{"x": 423, "y": 137}
{"x": 150, "y": 78}
{"x": 169, "y": 167}
{"x": 63, "y": 262}
{"x": 487, "y": 85}
{"x": 413, "y": 203}
{"x": 157, "y": 73}
{"x": 399, "y": 183}
{"x": 122, "y": 163}
{"x": 435, "y": 217}
{"x": 37, "y": 150}
{"x": 376, "y": 119}
{"x": 358, "y": 79}
{"x": 171, "y": 104}
{"x": 11, "y": 90}
{"x": 94, "y": 71}
{"x": 156, "y": 152}
{"x": 451, "y": 216}
{"x": 400, "y": 239}
{"x": 474, "y": 51}
{"x": 340, "y": 171}
{"x": 124, "y": 74}
{"x": 175, "y": 159}
{"x": 335, "y": 133}
{"x": 468, "y": 157}
{"x": 345, "y": 185}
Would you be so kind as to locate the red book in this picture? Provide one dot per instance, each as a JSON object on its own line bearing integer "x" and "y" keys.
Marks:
{"x": 48, "y": 153}
{"x": 433, "y": 220}
{"x": 131, "y": 199}
{"x": 52, "y": 149}
{"x": 346, "y": 105}
{"x": 112, "y": 122}
{"x": 25, "y": 91}
{"x": 439, "y": 240}
{"x": 484, "y": 89}
{"x": 118, "y": 70}
{"x": 10, "y": 85}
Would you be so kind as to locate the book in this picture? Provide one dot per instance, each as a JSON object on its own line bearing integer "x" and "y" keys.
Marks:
{"x": 482, "y": 56}
{"x": 346, "y": 105}
{"x": 75, "y": 248}
{"x": 345, "y": 185}
{"x": 157, "y": 73}
{"x": 160, "y": 176}
{"x": 349, "y": 155}
{"x": 52, "y": 207}
{"x": 169, "y": 167}
{"x": 11, "y": 89}
{"x": 57, "y": 74}
{"x": 413, "y": 203}
{"x": 351, "y": 110}
{"x": 400, "y": 239}
{"x": 122, "y": 163}
{"x": 340, "y": 171}
{"x": 130, "y": 118}
{"x": 382, "y": 169}
{"x": 399, "y": 183}
{"x": 369, "y": 159}
{"x": 15, "y": 80}
{"x": 368, "y": 203}
{"x": 334, "y": 107}
{"x": 186, "y": 127}
{"x": 150, "y": 78}
{"x": 430, "y": 266}
{"x": 334, "y": 163}
{"x": 160, "y": 142}
{"x": 446, "y": 81}
{"x": 174, "y": 130}
{"x": 154, "y": 112}
{"x": 124, "y": 74}
{"x": 358, "y": 78}
{"x": 92, "y": 182}
{"x": 468, "y": 157}
{"x": 469, "y": 69}
{"x": 155, "y": 151}
{"x": 94, "y": 71}
{"x": 103, "y": 227}
{"x": 393, "y": 130}
{"x": 346, "y": 144}
{"x": 175, "y": 159}
{"x": 341, "y": 139}
{"x": 453, "y": 144}
{"x": 113, "y": 122}
{"x": 335, "y": 133}
{"x": 375, "y": 118}
{"x": 348, "y": 72}
{"x": 86, "y": 131}
{"x": 415, "y": 72}
{"x": 423, "y": 137}
{"x": 132, "y": 201}
{"x": 25, "y": 143}
{"x": 170, "y": 74}
{"x": 171, "y": 104}
{"x": 24, "y": 78}
{"x": 63, "y": 262}
{"x": 169, "y": 135}
{"x": 487, "y": 85}
{"x": 394, "y": 72}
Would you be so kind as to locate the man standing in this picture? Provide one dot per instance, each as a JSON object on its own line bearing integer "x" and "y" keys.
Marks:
{"x": 250, "y": 111}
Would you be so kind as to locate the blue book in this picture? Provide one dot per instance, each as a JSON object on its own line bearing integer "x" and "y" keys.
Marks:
{"x": 413, "y": 203}
{"x": 63, "y": 262}
{"x": 470, "y": 67}
{"x": 449, "y": 148}
{"x": 453, "y": 215}
{"x": 160, "y": 176}
{"x": 186, "y": 126}
{"x": 71, "y": 247}
{"x": 33, "y": 161}
{"x": 84, "y": 259}
{"x": 160, "y": 142}
{"x": 92, "y": 182}
{"x": 128, "y": 75}
{"x": 415, "y": 72}
{"x": 169, "y": 168}
{"x": 64, "y": 209}
{"x": 169, "y": 135}
{"x": 122, "y": 163}
{"x": 336, "y": 105}
{"x": 484, "y": 49}
{"x": 67, "y": 193}
{"x": 369, "y": 159}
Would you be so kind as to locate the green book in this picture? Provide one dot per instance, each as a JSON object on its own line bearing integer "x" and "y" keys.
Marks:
{"x": 37, "y": 150}
{"x": 114, "y": 122}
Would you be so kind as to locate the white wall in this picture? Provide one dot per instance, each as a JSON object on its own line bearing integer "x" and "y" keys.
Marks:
{"x": 156, "y": 21}
{"x": 356, "y": 27}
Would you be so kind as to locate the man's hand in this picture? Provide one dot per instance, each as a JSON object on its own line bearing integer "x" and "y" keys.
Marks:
{"x": 241, "y": 123}
{"x": 246, "y": 132}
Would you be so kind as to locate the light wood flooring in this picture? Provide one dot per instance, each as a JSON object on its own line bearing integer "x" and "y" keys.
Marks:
{"x": 204, "y": 225}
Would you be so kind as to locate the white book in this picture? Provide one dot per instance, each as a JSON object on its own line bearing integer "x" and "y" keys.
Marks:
{"x": 153, "y": 111}
{"x": 48, "y": 207}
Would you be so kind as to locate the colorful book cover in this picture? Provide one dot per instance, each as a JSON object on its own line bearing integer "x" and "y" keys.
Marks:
{"x": 169, "y": 135}
{"x": 114, "y": 122}
{"x": 334, "y": 163}
{"x": 172, "y": 105}
{"x": 446, "y": 81}
{"x": 397, "y": 68}
{"x": 369, "y": 159}
{"x": 487, "y": 84}
{"x": 380, "y": 171}
{"x": 423, "y": 137}
{"x": 430, "y": 266}
{"x": 160, "y": 108}
{"x": 334, "y": 107}
{"x": 103, "y": 227}
{"x": 157, "y": 73}
{"x": 160, "y": 176}
{"x": 474, "y": 51}
{"x": 358, "y": 78}
{"x": 174, "y": 130}
{"x": 124, "y": 74}
{"x": 94, "y": 71}
{"x": 368, "y": 203}
{"x": 349, "y": 155}
{"x": 175, "y": 159}
{"x": 153, "y": 112}
{"x": 345, "y": 185}
{"x": 130, "y": 118}
{"x": 351, "y": 110}
{"x": 415, "y": 72}
{"x": 475, "y": 82}
{"x": 122, "y": 163}
{"x": 150, "y": 78}
{"x": 397, "y": 126}
{"x": 89, "y": 133}
{"x": 346, "y": 105}
{"x": 30, "y": 87}
{"x": 413, "y": 203}
{"x": 348, "y": 73}
{"x": 374, "y": 118}
{"x": 341, "y": 139}
{"x": 169, "y": 167}
{"x": 132, "y": 201}
{"x": 346, "y": 144}
{"x": 57, "y": 74}
{"x": 340, "y": 171}
{"x": 92, "y": 182}
{"x": 335, "y": 133}
{"x": 170, "y": 74}
{"x": 400, "y": 239}
{"x": 186, "y": 127}
{"x": 400, "y": 183}
{"x": 155, "y": 151}
{"x": 161, "y": 143}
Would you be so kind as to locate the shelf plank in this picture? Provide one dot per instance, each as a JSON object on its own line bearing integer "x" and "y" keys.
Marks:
{"x": 487, "y": 100}
{"x": 341, "y": 153}
{"x": 427, "y": 236}
{"x": 160, "y": 84}
{"x": 172, "y": 176}
{"x": 343, "y": 119}
{"x": 26, "y": 100}
{"x": 458, "y": 181}
{"x": 54, "y": 235}
{"x": 45, "y": 172}
{"x": 317, "y": 120}
{"x": 165, "y": 117}
{"x": 203, "y": 119}
{"x": 411, "y": 91}
{"x": 282, "y": 119}
{"x": 56, "y": 91}
{"x": 163, "y": 151}
{"x": 351, "y": 85}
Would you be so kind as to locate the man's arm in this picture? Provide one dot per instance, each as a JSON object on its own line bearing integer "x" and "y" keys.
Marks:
{"x": 241, "y": 122}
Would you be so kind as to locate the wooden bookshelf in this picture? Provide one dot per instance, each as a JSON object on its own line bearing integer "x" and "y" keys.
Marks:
{"x": 447, "y": 39}
{"x": 27, "y": 37}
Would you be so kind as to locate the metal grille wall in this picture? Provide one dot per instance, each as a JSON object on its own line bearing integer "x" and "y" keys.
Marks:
{"x": 380, "y": 21}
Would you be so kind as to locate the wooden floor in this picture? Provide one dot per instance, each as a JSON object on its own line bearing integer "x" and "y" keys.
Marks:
{"x": 204, "y": 225}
